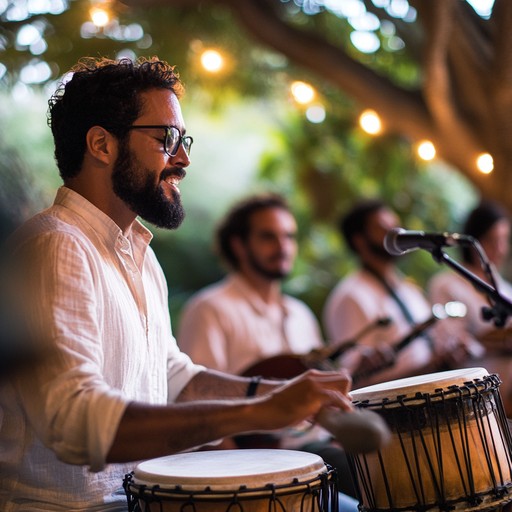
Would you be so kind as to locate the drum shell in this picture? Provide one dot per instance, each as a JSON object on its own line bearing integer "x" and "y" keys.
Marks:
{"x": 450, "y": 444}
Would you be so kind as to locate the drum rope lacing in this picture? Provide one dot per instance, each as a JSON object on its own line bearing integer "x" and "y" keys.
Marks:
{"x": 420, "y": 421}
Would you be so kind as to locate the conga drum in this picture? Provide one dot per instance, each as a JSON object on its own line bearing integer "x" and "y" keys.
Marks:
{"x": 450, "y": 447}
{"x": 233, "y": 480}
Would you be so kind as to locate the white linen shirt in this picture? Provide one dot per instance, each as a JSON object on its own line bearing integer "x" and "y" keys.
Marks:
{"x": 101, "y": 300}
{"x": 228, "y": 327}
{"x": 359, "y": 300}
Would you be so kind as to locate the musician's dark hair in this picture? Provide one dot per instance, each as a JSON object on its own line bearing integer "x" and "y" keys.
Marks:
{"x": 479, "y": 222}
{"x": 237, "y": 222}
{"x": 102, "y": 92}
{"x": 355, "y": 220}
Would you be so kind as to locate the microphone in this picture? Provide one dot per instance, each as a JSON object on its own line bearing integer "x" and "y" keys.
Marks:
{"x": 358, "y": 431}
{"x": 398, "y": 241}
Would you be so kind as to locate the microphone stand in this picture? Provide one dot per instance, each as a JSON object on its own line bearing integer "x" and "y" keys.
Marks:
{"x": 501, "y": 307}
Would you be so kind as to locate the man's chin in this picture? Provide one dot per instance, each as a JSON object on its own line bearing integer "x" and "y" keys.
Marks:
{"x": 275, "y": 274}
{"x": 172, "y": 222}
{"x": 164, "y": 218}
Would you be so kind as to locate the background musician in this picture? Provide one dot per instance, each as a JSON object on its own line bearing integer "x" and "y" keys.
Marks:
{"x": 377, "y": 289}
{"x": 489, "y": 223}
{"x": 246, "y": 318}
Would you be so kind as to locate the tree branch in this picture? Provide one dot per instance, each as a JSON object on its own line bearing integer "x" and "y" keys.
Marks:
{"x": 402, "y": 110}
{"x": 501, "y": 68}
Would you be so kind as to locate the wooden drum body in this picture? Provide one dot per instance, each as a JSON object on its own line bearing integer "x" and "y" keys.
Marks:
{"x": 451, "y": 447}
{"x": 233, "y": 480}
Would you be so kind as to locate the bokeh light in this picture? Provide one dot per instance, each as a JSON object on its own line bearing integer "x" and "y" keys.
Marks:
{"x": 212, "y": 61}
{"x": 99, "y": 16}
{"x": 370, "y": 122}
{"x": 426, "y": 150}
{"x": 315, "y": 114}
{"x": 302, "y": 92}
{"x": 485, "y": 163}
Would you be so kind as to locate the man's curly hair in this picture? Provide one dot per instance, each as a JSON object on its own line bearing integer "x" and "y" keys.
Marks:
{"x": 102, "y": 92}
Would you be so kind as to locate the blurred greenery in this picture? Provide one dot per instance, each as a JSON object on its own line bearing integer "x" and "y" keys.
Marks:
{"x": 248, "y": 136}
{"x": 247, "y": 146}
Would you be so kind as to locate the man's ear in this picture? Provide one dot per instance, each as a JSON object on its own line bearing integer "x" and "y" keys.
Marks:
{"x": 101, "y": 145}
{"x": 237, "y": 246}
{"x": 359, "y": 242}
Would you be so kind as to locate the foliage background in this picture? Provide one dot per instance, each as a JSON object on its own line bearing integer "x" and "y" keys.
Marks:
{"x": 248, "y": 136}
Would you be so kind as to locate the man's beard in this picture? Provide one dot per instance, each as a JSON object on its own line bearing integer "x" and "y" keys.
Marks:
{"x": 264, "y": 271}
{"x": 379, "y": 251}
{"x": 141, "y": 195}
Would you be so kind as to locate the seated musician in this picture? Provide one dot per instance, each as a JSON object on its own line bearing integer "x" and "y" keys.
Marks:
{"x": 488, "y": 223}
{"x": 246, "y": 318}
{"x": 377, "y": 289}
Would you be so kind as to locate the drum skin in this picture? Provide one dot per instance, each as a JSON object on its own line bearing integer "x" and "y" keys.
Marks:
{"x": 235, "y": 480}
{"x": 450, "y": 447}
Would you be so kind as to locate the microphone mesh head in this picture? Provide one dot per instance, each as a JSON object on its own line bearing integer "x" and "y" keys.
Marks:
{"x": 390, "y": 241}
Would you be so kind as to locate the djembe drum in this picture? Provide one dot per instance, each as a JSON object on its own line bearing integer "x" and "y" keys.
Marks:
{"x": 233, "y": 480}
{"x": 450, "y": 448}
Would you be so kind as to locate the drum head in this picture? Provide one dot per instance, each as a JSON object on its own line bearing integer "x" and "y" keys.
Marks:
{"x": 420, "y": 384}
{"x": 229, "y": 469}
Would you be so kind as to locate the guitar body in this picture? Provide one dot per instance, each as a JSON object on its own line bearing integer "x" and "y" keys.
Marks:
{"x": 282, "y": 366}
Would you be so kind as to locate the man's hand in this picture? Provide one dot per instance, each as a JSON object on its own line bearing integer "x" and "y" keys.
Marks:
{"x": 303, "y": 397}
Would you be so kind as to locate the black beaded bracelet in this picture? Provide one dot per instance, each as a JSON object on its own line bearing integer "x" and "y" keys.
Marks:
{"x": 253, "y": 385}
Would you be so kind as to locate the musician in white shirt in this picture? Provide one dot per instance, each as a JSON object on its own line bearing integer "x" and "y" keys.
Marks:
{"x": 488, "y": 223}
{"x": 246, "y": 318}
{"x": 379, "y": 290}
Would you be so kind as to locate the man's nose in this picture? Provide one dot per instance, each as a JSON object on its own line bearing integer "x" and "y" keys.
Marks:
{"x": 180, "y": 159}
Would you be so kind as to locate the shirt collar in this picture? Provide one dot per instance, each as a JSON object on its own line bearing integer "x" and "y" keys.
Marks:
{"x": 104, "y": 226}
{"x": 256, "y": 302}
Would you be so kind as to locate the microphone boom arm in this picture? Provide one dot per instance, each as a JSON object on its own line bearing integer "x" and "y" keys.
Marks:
{"x": 502, "y": 307}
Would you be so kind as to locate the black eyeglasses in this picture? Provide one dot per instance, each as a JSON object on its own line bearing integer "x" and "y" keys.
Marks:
{"x": 173, "y": 137}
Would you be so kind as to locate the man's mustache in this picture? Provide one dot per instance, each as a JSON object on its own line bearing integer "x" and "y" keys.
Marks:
{"x": 280, "y": 256}
{"x": 175, "y": 171}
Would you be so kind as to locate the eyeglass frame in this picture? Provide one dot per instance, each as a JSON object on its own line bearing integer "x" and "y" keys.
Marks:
{"x": 180, "y": 142}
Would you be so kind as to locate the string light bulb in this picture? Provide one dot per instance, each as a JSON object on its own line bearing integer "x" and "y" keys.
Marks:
{"x": 426, "y": 150}
{"x": 370, "y": 122}
{"x": 212, "y": 61}
{"x": 302, "y": 92}
{"x": 100, "y": 16}
{"x": 485, "y": 163}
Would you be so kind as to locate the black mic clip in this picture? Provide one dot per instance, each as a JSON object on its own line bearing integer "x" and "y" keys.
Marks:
{"x": 497, "y": 314}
